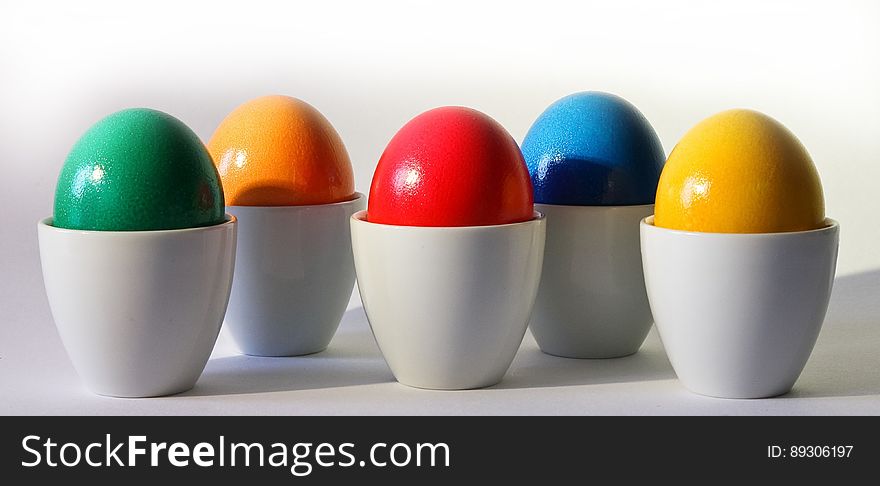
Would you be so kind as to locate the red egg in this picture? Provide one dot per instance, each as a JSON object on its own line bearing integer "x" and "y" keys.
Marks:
{"x": 451, "y": 166}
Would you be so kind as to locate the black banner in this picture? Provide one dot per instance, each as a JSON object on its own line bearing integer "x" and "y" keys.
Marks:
{"x": 329, "y": 449}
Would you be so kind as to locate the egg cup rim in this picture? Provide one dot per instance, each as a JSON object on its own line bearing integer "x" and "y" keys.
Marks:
{"x": 360, "y": 218}
{"x": 355, "y": 197}
{"x": 598, "y": 207}
{"x": 228, "y": 220}
{"x": 830, "y": 225}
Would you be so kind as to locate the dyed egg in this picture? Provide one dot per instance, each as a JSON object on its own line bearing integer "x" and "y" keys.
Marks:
{"x": 136, "y": 170}
{"x": 281, "y": 151}
{"x": 739, "y": 171}
{"x": 593, "y": 149}
{"x": 451, "y": 166}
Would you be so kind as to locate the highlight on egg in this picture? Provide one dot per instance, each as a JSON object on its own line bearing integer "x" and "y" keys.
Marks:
{"x": 138, "y": 170}
{"x": 451, "y": 166}
{"x": 593, "y": 149}
{"x": 281, "y": 151}
{"x": 740, "y": 171}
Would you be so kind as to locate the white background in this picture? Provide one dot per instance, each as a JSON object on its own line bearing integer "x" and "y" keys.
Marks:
{"x": 370, "y": 67}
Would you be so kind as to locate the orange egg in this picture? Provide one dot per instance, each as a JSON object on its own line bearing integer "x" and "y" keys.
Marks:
{"x": 280, "y": 151}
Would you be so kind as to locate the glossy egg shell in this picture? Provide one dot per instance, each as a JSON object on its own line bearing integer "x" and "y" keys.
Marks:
{"x": 451, "y": 166}
{"x": 138, "y": 169}
{"x": 593, "y": 149}
{"x": 281, "y": 151}
{"x": 740, "y": 171}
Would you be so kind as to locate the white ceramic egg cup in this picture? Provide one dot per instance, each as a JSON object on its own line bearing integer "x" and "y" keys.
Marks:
{"x": 448, "y": 306}
{"x": 138, "y": 311}
{"x": 739, "y": 314}
{"x": 592, "y": 301}
{"x": 294, "y": 276}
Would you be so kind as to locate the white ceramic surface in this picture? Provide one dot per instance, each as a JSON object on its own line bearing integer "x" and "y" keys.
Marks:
{"x": 293, "y": 277}
{"x": 592, "y": 301}
{"x": 448, "y": 306}
{"x": 138, "y": 311}
{"x": 739, "y": 314}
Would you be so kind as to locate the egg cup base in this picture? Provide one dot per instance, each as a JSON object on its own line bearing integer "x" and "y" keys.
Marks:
{"x": 285, "y": 353}
{"x": 591, "y": 354}
{"x": 447, "y": 387}
{"x": 167, "y": 393}
{"x": 741, "y": 396}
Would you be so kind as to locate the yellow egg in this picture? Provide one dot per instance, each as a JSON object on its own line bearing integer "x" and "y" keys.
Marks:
{"x": 739, "y": 171}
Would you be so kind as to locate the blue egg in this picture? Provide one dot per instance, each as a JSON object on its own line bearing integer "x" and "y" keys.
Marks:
{"x": 593, "y": 149}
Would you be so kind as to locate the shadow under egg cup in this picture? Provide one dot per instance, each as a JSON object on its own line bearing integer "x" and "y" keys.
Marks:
{"x": 294, "y": 276}
{"x": 739, "y": 314}
{"x": 138, "y": 311}
{"x": 448, "y": 306}
{"x": 592, "y": 301}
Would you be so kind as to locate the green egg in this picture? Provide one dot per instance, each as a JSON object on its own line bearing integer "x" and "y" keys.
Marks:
{"x": 138, "y": 170}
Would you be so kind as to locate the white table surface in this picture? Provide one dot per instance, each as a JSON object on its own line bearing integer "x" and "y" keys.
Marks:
{"x": 841, "y": 377}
